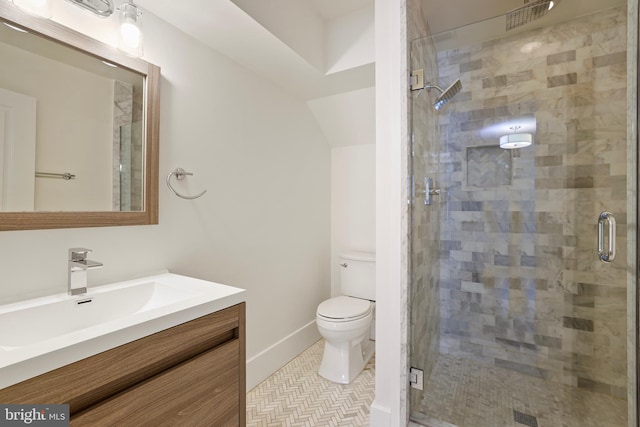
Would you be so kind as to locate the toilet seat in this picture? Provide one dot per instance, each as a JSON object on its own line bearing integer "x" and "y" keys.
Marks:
{"x": 344, "y": 309}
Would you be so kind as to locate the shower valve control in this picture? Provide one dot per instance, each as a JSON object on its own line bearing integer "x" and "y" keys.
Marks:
{"x": 429, "y": 191}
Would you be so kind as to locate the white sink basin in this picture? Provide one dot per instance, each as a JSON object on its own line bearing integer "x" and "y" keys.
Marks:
{"x": 47, "y": 319}
{"x": 46, "y": 333}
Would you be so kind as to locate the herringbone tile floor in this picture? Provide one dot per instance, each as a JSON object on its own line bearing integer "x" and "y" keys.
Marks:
{"x": 297, "y": 396}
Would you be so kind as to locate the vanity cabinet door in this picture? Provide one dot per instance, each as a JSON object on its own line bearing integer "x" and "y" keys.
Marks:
{"x": 203, "y": 391}
{"x": 90, "y": 381}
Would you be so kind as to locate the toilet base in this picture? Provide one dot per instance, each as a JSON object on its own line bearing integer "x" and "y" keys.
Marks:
{"x": 343, "y": 362}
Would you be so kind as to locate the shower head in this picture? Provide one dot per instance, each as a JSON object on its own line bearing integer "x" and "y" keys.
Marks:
{"x": 446, "y": 94}
{"x": 532, "y": 10}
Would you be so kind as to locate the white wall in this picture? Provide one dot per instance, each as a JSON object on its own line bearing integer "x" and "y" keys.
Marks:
{"x": 350, "y": 40}
{"x": 348, "y": 118}
{"x": 389, "y": 406}
{"x": 262, "y": 226}
{"x": 353, "y": 174}
{"x": 293, "y": 22}
{"x": 17, "y": 151}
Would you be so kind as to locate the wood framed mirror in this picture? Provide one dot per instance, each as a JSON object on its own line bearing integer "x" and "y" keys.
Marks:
{"x": 79, "y": 129}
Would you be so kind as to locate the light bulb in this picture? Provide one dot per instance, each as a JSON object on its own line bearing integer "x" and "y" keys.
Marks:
{"x": 130, "y": 35}
{"x": 130, "y": 38}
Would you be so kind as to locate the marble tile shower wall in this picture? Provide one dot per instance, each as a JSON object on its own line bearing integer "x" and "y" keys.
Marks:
{"x": 521, "y": 286}
{"x": 123, "y": 107}
{"x": 128, "y": 145}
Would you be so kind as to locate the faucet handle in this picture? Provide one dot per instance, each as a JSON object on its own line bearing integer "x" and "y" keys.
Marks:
{"x": 78, "y": 254}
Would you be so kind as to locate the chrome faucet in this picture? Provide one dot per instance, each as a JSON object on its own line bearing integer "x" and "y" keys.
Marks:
{"x": 78, "y": 266}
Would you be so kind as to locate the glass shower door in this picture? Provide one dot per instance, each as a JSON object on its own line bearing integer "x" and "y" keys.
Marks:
{"x": 516, "y": 318}
{"x": 130, "y": 167}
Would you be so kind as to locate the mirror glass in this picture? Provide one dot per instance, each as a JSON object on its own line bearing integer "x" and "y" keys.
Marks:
{"x": 73, "y": 137}
{"x": 78, "y": 129}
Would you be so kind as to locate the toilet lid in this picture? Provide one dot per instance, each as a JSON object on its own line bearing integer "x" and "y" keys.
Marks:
{"x": 343, "y": 307}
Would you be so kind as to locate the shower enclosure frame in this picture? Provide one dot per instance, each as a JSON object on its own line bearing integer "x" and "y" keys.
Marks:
{"x": 633, "y": 160}
{"x": 634, "y": 15}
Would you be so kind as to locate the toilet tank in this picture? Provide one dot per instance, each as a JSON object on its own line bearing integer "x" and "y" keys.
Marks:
{"x": 358, "y": 274}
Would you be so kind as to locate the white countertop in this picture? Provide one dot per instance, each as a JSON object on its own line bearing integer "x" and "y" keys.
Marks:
{"x": 21, "y": 359}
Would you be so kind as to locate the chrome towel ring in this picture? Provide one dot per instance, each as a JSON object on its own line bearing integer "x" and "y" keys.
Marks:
{"x": 180, "y": 174}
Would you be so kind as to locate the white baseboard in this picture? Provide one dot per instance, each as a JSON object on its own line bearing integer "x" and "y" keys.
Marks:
{"x": 265, "y": 363}
{"x": 379, "y": 416}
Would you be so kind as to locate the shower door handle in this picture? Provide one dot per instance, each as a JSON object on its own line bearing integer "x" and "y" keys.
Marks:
{"x": 610, "y": 254}
{"x": 428, "y": 191}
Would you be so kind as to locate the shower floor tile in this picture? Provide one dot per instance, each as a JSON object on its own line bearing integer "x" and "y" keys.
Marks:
{"x": 466, "y": 394}
{"x": 297, "y": 396}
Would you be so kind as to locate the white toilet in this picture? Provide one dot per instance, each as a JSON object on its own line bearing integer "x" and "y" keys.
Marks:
{"x": 345, "y": 321}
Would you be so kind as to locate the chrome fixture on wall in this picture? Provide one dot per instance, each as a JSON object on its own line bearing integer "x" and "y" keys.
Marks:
{"x": 417, "y": 83}
{"x": 180, "y": 174}
{"x": 66, "y": 175}
{"x": 78, "y": 265}
{"x": 532, "y": 10}
{"x": 102, "y": 8}
{"x": 43, "y": 8}
{"x": 429, "y": 190}
{"x": 608, "y": 254}
{"x": 129, "y": 32}
{"x": 446, "y": 94}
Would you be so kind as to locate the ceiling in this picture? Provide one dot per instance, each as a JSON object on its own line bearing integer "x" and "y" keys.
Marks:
{"x": 331, "y": 9}
{"x": 267, "y": 37}
{"x": 224, "y": 26}
{"x": 249, "y": 36}
{"x": 445, "y": 15}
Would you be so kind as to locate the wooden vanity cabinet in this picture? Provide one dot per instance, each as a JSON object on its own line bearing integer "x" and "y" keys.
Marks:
{"x": 190, "y": 375}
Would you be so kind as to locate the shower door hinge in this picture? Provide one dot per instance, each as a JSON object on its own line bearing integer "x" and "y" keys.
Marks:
{"x": 416, "y": 378}
{"x": 416, "y": 81}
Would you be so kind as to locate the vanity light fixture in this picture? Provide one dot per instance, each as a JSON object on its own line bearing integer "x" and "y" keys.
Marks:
{"x": 130, "y": 33}
{"x": 101, "y": 8}
{"x": 41, "y": 8}
{"x": 515, "y": 140}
